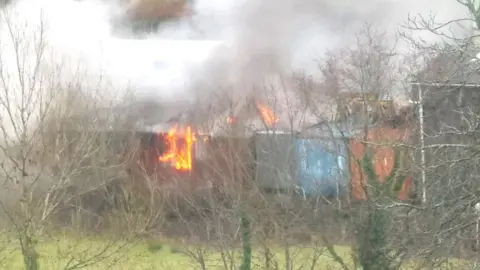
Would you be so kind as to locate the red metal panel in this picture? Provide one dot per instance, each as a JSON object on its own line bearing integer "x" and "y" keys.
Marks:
{"x": 383, "y": 141}
{"x": 406, "y": 189}
{"x": 358, "y": 177}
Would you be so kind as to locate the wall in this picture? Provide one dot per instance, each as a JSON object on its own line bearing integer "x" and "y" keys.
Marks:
{"x": 382, "y": 141}
{"x": 221, "y": 160}
{"x": 450, "y": 129}
{"x": 275, "y": 161}
{"x": 322, "y": 166}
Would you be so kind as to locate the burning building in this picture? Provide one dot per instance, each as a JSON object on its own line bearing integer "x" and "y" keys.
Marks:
{"x": 171, "y": 143}
{"x": 250, "y": 140}
{"x": 179, "y": 145}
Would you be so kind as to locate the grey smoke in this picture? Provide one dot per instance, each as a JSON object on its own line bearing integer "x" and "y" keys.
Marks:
{"x": 276, "y": 37}
{"x": 260, "y": 38}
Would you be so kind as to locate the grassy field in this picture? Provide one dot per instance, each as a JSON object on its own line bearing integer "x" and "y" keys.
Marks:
{"x": 144, "y": 255}
{"x": 65, "y": 253}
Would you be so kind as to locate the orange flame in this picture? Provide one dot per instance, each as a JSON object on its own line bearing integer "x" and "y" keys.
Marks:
{"x": 268, "y": 116}
{"x": 179, "y": 152}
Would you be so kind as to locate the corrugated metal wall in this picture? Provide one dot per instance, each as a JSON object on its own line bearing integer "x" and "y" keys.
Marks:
{"x": 322, "y": 166}
{"x": 275, "y": 161}
{"x": 224, "y": 159}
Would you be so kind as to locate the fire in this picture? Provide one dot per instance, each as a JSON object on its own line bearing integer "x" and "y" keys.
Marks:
{"x": 180, "y": 145}
{"x": 268, "y": 116}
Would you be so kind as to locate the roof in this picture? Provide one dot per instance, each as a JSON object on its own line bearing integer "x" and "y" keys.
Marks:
{"x": 452, "y": 66}
{"x": 333, "y": 130}
{"x": 290, "y": 114}
{"x": 242, "y": 105}
{"x": 351, "y": 128}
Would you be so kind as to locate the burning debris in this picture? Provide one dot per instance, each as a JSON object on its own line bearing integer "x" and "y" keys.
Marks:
{"x": 179, "y": 147}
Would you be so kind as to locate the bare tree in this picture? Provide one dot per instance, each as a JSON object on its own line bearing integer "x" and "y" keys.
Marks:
{"x": 363, "y": 78}
{"x": 446, "y": 147}
{"x": 57, "y": 145}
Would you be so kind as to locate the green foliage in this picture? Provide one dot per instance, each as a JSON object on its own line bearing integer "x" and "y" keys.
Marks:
{"x": 372, "y": 179}
{"x": 373, "y": 252}
{"x": 372, "y": 247}
{"x": 393, "y": 182}
{"x": 396, "y": 178}
{"x": 246, "y": 240}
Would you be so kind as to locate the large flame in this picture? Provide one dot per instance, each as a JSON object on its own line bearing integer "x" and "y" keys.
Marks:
{"x": 179, "y": 148}
{"x": 267, "y": 114}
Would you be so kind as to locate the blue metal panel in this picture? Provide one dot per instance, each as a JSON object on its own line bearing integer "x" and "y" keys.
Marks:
{"x": 322, "y": 167}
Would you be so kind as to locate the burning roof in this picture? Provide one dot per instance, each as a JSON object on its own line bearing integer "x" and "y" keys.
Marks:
{"x": 255, "y": 115}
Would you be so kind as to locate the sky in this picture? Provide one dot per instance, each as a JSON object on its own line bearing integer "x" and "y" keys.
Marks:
{"x": 225, "y": 42}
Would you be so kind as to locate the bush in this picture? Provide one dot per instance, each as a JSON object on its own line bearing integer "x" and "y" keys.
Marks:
{"x": 373, "y": 250}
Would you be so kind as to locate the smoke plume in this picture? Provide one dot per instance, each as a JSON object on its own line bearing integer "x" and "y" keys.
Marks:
{"x": 226, "y": 44}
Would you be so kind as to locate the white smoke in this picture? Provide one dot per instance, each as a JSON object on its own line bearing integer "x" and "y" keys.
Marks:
{"x": 257, "y": 36}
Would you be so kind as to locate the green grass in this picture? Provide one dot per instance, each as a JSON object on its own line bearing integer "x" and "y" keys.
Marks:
{"x": 57, "y": 254}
